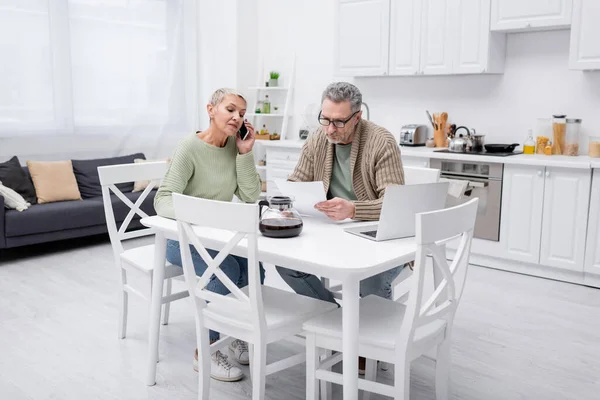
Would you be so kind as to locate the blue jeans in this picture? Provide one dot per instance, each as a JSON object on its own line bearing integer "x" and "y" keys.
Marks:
{"x": 311, "y": 286}
{"x": 236, "y": 269}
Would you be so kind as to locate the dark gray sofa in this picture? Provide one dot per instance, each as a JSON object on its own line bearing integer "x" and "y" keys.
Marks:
{"x": 64, "y": 220}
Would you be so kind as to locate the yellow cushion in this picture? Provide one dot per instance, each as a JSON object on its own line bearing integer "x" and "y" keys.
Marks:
{"x": 53, "y": 181}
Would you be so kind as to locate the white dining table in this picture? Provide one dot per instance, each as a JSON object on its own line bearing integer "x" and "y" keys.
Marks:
{"x": 322, "y": 249}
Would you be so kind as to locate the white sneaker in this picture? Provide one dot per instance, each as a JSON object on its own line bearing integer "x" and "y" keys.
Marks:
{"x": 239, "y": 348}
{"x": 221, "y": 369}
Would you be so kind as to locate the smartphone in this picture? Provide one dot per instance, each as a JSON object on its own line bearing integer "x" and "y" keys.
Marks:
{"x": 243, "y": 131}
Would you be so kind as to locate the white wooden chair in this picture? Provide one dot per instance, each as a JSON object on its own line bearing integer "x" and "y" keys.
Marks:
{"x": 257, "y": 314}
{"x": 412, "y": 176}
{"x": 138, "y": 259}
{"x": 398, "y": 333}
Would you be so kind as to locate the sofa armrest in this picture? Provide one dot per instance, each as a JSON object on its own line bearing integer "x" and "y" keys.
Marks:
{"x": 2, "y": 230}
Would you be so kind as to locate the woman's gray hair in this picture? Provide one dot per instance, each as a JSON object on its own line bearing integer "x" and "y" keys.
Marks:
{"x": 217, "y": 97}
{"x": 339, "y": 92}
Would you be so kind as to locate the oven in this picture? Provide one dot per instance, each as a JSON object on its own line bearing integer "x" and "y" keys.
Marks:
{"x": 485, "y": 183}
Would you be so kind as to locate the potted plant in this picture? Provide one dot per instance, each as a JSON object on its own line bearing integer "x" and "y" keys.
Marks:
{"x": 274, "y": 76}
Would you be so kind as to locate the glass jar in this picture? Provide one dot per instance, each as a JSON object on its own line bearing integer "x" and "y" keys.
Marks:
{"x": 572, "y": 137}
{"x": 543, "y": 134}
{"x": 559, "y": 133}
{"x": 594, "y": 147}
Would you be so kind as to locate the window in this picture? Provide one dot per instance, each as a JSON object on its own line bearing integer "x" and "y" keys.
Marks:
{"x": 79, "y": 66}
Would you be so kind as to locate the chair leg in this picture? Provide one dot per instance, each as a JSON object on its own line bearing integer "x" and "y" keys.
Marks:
{"x": 326, "y": 388}
{"x": 312, "y": 364}
{"x": 204, "y": 358}
{"x": 251, "y": 366}
{"x": 259, "y": 366}
{"x": 167, "y": 306}
{"x": 123, "y": 306}
{"x": 370, "y": 375}
{"x": 402, "y": 380}
{"x": 442, "y": 371}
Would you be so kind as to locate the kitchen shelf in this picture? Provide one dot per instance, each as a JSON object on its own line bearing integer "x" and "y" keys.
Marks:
{"x": 276, "y": 88}
{"x": 261, "y": 167}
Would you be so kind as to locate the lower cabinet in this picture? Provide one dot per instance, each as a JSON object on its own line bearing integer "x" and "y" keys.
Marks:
{"x": 412, "y": 161}
{"x": 592, "y": 253}
{"x": 544, "y": 216}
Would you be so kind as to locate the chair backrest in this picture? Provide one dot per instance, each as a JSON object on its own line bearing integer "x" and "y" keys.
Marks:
{"x": 242, "y": 220}
{"x": 112, "y": 175}
{"x": 416, "y": 175}
{"x": 433, "y": 230}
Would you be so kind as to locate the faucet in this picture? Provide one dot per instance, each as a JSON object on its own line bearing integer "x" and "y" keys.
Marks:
{"x": 368, "y": 113}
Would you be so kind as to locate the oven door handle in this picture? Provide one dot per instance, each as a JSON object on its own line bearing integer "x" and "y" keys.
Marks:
{"x": 473, "y": 185}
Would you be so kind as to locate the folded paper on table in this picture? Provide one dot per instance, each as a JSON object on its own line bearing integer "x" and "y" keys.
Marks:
{"x": 305, "y": 195}
{"x": 456, "y": 187}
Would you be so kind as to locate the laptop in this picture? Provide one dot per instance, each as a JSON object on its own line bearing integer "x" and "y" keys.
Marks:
{"x": 400, "y": 205}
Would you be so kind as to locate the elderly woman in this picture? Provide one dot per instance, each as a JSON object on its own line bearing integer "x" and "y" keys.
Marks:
{"x": 215, "y": 164}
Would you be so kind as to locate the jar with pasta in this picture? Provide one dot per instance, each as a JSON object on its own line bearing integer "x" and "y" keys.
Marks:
{"x": 559, "y": 133}
{"x": 543, "y": 132}
{"x": 594, "y": 147}
{"x": 572, "y": 137}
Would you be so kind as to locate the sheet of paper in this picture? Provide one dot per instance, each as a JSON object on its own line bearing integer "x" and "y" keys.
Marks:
{"x": 305, "y": 194}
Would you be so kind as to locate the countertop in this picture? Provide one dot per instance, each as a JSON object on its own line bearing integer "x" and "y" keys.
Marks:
{"x": 579, "y": 162}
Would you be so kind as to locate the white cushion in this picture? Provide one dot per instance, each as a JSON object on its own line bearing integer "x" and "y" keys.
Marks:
{"x": 12, "y": 199}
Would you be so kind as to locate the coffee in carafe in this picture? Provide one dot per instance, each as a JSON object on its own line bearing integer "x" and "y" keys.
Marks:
{"x": 280, "y": 219}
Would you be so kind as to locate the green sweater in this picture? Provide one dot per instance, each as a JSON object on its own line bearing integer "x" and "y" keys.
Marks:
{"x": 201, "y": 170}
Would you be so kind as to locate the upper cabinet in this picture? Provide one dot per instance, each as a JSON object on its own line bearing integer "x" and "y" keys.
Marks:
{"x": 436, "y": 36}
{"x": 432, "y": 37}
{"x": 521, "y": 15}
{"x": 362, "y": 37}
{"x": 585, "y": 34}
{"x": 405, "y": 37}
{"x": 476, "y": 50}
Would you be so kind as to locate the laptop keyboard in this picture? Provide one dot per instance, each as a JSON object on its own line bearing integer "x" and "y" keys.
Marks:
{"x": 370, "y": 233}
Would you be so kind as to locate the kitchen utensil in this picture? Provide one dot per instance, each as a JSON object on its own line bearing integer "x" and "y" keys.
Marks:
{"x": 500, "y": 148}
{"x": 430, "y": 119}
{"x": 413, "y": 135}
{"x": 278, "y": 218}
{"x": 477, "y": 143}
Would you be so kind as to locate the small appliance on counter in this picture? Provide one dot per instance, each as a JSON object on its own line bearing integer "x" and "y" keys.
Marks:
{"x": 413, "y": 135}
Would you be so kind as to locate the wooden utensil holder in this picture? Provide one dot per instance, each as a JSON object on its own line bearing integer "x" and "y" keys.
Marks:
{"x": 439, "y": 137}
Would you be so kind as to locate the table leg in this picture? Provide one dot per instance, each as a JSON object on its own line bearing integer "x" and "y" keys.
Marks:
{"x": 158, "y": 277}
{"x": 350, "y": 326}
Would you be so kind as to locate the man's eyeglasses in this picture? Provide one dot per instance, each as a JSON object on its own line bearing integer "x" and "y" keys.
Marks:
{"x": 336, "y": 122}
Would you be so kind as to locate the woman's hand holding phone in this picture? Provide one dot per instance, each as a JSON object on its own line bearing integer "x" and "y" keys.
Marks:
{"x": 245, "y": 138}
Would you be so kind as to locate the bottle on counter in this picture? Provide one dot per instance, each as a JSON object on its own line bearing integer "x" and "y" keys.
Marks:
{"x": 529, "y": 145}
{"x": 548, "y": 148}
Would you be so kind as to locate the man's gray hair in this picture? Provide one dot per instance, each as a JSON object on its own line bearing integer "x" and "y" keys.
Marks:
{"x": 339, "y": 92}
{"x": 217, "y": 97}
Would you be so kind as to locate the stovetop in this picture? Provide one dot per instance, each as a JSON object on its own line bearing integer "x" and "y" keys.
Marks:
{"x": 481, "y": 153}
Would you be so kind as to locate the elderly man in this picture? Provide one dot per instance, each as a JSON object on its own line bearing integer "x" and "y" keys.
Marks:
{"x": 356, "y": 160}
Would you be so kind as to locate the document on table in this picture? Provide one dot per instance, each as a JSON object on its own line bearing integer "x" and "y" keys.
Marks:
{"x": 305, "y": 195}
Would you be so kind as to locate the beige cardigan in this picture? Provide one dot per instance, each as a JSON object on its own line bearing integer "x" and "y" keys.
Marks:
{"x": 374, "y": 164}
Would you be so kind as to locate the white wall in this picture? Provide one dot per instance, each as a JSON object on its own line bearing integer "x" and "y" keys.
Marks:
{"x": 536, "y": 82}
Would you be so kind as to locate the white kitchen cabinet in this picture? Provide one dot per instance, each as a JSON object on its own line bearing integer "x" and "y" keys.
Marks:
{"x": 584, "y": 52}
{"x": 521, "y": 218}
{"x": 592, "y": 252}
{"x": 436, "y": 37}
{"x": 565, "y": 217}
{"x": 476, "y": 49}
{"x": 362, "y": 37}
{"x": 521, "y": 15}
{"x": 405, "y": 36}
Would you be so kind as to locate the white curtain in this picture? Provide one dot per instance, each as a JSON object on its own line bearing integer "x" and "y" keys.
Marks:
{"x": 123, "y": 69}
